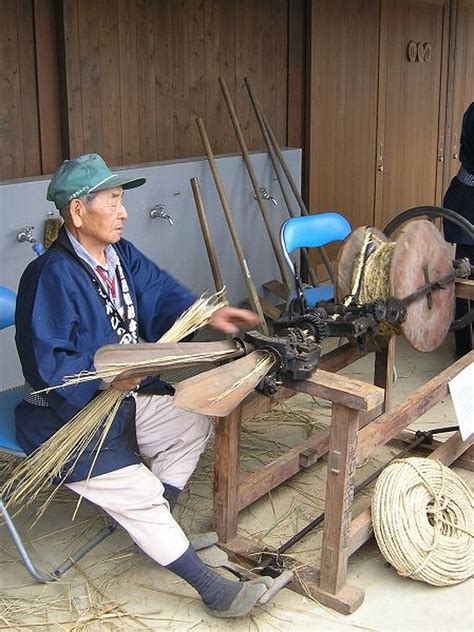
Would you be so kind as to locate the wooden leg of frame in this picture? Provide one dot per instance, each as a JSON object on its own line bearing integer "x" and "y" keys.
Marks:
{"x": 339, "y": 495}
{"x": 226, "y": 475}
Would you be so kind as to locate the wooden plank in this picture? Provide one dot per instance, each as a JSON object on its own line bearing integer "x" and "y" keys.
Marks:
{"x": 305, "y": 581}
{"x": 300, "y": 457}
{"x": 387, "y": 426}
{"x": 464, "y": 288}
{"x": 73, "y": 78}
{"x": 164, "y": 79}
{"x": 181, "y": 51}
{"x": 110, "y": 82}
{"x": 466, "y": 460}
{"x": 339, "y": 389}
{"x": 196, "y": 72}
{"x": 220, "y": 62}
{"x": 248, "y": 52}
{"x": 451, "y": 449}
{"x": 226, "y": 475}
{"x": 278, "y": 288}
{"x": 146, "y": 80}
{"x": 266, "y": 478}
{"x": 47, "y": 75}
{"x": 270, "y": 310}
{"x": 128, "y": 71}
{"x": 295, "y": 124}
{"x": 12, "y": 162}
{"x": 88, "y": 24}
{"x": 339, "y": 495}
{"x": 343, "y": 45}
{"x": 28, "y": 88}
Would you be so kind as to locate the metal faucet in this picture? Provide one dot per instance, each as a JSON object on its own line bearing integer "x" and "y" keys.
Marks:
{"x": 266, "y": 196}
{"x": 159, "y": 211}
{"x": 25, "y": 234}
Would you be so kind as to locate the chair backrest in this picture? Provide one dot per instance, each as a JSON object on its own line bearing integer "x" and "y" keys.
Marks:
{"x": 312, "y": 231}
{"x": 7, "y": 307}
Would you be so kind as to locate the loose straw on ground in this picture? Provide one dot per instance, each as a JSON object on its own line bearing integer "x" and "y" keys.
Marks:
{"x": 423, "y": 520}
{"x": 91, "y": 424}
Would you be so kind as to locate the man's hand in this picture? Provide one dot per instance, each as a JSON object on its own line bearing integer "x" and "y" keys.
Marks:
{"x": 231, "y": 319}
{"x": 127, "y": 384}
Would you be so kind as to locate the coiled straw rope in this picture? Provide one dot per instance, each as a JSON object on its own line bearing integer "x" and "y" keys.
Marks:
{"x": 422, "y": 514}
{"x": 371, "y": 274}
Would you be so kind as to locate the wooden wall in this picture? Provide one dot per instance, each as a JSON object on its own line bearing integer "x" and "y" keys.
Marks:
{"x": 384, "y": 124}
{"x": 127, "y": 78}
{"x": 19, "y": 126}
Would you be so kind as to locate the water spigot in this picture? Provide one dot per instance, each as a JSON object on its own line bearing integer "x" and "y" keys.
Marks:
{"x": 266, "y": 196}
{"x": 159, "y": 211}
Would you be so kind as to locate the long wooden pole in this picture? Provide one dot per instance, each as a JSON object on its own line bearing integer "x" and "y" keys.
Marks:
{"x": 252, "y": 291}
{"x": 294, "y": 188}
{"x": 276, "y": 168}
{"x": 206, "y": 233}
{"x": 284, "y": 271}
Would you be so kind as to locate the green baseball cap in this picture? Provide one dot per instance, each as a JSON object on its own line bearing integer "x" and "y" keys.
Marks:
{"x": 85, "y": 174}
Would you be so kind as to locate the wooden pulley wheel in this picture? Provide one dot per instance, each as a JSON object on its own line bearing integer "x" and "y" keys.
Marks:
{"x": 420, "y": 256}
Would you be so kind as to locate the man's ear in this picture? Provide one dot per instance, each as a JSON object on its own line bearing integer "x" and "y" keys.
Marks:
{"x": 76, "y": 212}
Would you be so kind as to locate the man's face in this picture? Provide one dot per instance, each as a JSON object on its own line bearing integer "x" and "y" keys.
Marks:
{"x": 102, "y": 221}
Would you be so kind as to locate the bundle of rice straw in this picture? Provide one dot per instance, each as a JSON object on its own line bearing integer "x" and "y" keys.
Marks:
{"x": 67, "y": 445}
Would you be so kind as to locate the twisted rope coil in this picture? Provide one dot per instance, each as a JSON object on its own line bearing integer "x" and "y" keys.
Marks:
{"x": 423, "y": 520}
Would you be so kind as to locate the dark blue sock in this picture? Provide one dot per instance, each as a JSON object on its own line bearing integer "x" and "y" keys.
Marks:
{"x": 216, "y": 591}
{"x": 171, "y": 494}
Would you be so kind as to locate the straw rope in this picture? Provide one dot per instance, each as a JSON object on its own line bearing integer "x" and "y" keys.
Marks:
{"x": 371, "y": 275}
{"x": 423, "y": 520}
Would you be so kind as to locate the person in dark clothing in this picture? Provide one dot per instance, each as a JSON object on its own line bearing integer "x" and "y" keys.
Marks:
{"x": 91, "y": 288}
{"x": 460, "y": 198}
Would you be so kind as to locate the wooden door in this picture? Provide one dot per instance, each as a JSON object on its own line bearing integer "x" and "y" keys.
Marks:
{"x": 410, "y": 113}
{"x": 344, "y": 45}
{"x": 461, "y": 81}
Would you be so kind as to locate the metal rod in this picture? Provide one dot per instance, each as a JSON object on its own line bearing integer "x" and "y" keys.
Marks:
{"x": 206, "y": 233}
{"x": 276, "y": 168}
{"x": 245, "y": 155}
{"x": 294, "y": 188}
{"x": 252, "y": 291}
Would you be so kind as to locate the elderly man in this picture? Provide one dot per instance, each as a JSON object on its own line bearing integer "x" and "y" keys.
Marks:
{"x": 93, "y": 288}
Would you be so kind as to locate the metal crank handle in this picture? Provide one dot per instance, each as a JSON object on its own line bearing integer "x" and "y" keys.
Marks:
{"x": 279, "y": 583}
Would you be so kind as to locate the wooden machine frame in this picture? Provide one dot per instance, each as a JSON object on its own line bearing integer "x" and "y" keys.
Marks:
{"x": 362, "y": 421}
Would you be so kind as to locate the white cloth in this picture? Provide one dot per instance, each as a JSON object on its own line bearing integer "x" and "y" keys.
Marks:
{"x": 173, "y": 439}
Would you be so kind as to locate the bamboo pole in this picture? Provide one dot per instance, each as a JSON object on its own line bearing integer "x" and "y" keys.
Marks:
{"x": 206, "y": 233}
{"x": 276, "y": 168}
{"x": 285, "y": 275}
{"x": 294, "y": 188}
{"x": 252, "y": 291}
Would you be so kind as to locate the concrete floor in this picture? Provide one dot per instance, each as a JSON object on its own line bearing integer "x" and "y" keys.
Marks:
{"x": 116, "y": 588}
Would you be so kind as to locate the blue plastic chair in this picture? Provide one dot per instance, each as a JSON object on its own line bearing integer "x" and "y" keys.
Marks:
{"x": 9, "y": 444}
{"x": 313, "y": 231}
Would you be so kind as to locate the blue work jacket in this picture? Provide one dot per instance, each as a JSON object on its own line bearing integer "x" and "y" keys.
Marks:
{"x": 61, "y": 322}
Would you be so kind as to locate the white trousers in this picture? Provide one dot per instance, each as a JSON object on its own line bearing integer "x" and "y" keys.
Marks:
{"x": 173, "y": 439}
